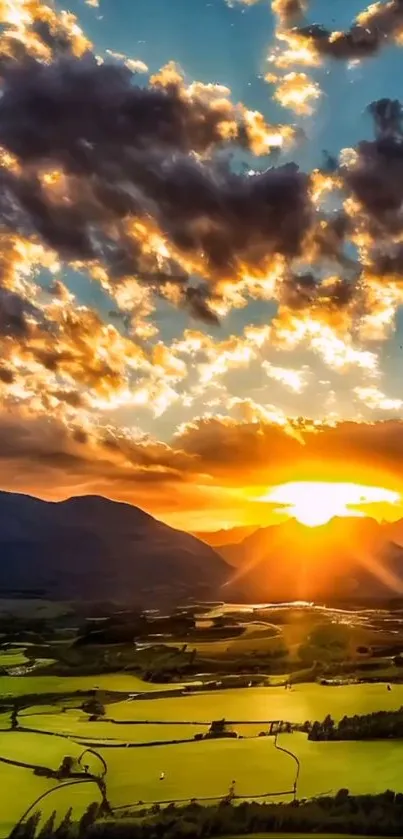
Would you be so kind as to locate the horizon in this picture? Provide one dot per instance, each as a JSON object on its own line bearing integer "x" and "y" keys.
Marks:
{"x": 283, "y": 516}
{"x": 202, "y": 307}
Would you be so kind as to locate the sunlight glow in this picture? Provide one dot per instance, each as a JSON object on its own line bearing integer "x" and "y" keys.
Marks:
{"x": 314, "y": 503}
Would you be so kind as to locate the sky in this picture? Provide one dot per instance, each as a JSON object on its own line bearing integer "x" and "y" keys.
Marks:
{"x": 200, "y": 240}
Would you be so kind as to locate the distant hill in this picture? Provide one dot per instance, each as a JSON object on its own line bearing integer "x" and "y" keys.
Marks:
{"x": 92, "y": 548}
{"x": 347, "y": 557}
{"x": 233, "y": 535}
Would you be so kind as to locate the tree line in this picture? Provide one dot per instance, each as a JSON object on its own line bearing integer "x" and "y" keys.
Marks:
{"x": 375, "y": 815}
{"x": 380, "y": 725}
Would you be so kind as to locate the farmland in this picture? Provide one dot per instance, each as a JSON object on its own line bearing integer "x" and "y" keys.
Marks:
{"x": 199, "y": 769}
{"x": 155, "y": 702}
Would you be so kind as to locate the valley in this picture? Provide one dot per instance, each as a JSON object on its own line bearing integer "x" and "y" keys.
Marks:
{"x": 146, "y": 706}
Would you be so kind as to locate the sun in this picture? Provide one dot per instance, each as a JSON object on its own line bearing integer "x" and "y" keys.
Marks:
{"x": 314, "y": 503}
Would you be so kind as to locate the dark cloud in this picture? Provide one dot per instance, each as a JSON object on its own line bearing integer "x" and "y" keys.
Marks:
{"x": 387, "y": 263}
{"x": 130, "y": 153}
{"x": 305, "y": 291}
{"x": 83, "y": 114}
{"x": 379, "y": 24}
{"x": 237, "y": 452}
{"x": 216, "y": 452}
{"x": 14, "y": 314}
{"x": 376, "y": 178}
{"x": 198, "y": 305}
{"x": 387, "y": 115}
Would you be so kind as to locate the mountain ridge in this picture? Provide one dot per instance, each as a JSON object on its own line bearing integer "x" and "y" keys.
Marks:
{"x": 346, "y": 556}
{"x": 90, "y": 547}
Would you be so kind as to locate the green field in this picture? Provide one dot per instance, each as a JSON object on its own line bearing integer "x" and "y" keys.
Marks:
{"x": 204, "y": 770}
{"x": 75, "y": 723}
{"x": 207, "y": 769}
{"x": 13, "y": 657}
{"x": 303, "y": 702}
{"x": 20, "y": 685}
{"x": 197, "y": 769}
{"x": 23, "y": 787}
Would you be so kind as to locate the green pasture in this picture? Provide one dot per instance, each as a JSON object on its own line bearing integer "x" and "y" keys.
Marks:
{"x": 201, "y": 770}
{"x": 360, "y": 766}
{"x": 304, "y": 702}
{"x": 21, "y": 685}
{"x": 76, "y": 724}
{"x": 205, "y": 769}
{"x": 20, "y": 786}
{"x": 13, "y": 657}
{"x": 39, "y": 749}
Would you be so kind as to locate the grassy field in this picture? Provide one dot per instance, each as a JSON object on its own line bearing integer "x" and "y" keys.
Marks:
{"x": 13, "y": 657}
{"x": 207, "y": 769}
{"x": 76, "y": 724}
{"x": 200, "y": 769}
{"x": 20, "y": 685}
{"x": 361, "y": 766}
{"x": 303, "y": 702}
{"x": 39, "y": 749}
{"x": 23, "y": 787}
{"x": 203, "y": 769}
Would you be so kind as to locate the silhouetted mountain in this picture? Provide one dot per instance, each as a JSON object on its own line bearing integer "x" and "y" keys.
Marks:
{"x": 347, "y": 557}
{"x": 233, "y": 535}
{"x": 92, "y": 548}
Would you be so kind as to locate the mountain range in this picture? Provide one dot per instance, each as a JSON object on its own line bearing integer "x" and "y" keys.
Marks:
{"x": 232, "y": 536}
{"x": 351, "y": 556}
{"x": 92, "y": 548}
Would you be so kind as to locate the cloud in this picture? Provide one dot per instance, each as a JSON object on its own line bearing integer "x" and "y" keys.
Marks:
{"x": 134, "y": 187}
{"x": 310, "y": 45}
{"x": 221, "y": 462}
{"x": 133, "y": 64}
{"x": 122, "y": 177}
{"x": 296, "y": 91}
{"x": 374, "y": 398}
{"x": 288, "y": 11}
{"x": 294, "y": 380}
{"x": 373, "y": 28}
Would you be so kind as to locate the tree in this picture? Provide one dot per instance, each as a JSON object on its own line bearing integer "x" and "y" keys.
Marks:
{"x": 63, "y": 831}
{"x": 48, "y": 828}
{"x": 26, "y": 830}
{"x": 88, "y": 818}
{"x": 93, "y": 707}
{"x": 341, "y": 796}
{"x": 66, "y": 767}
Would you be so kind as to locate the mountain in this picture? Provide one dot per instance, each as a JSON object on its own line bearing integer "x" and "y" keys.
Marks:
{"x": 233, "y": 535}
{"x": 347, "y": 557}
{"x": 92, "y": 548}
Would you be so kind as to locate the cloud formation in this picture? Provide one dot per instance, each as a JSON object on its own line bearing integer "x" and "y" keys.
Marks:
{"x": 160, "y": 193}
{"x": 373, "y": 28}
{"x": 209, "y": 461}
